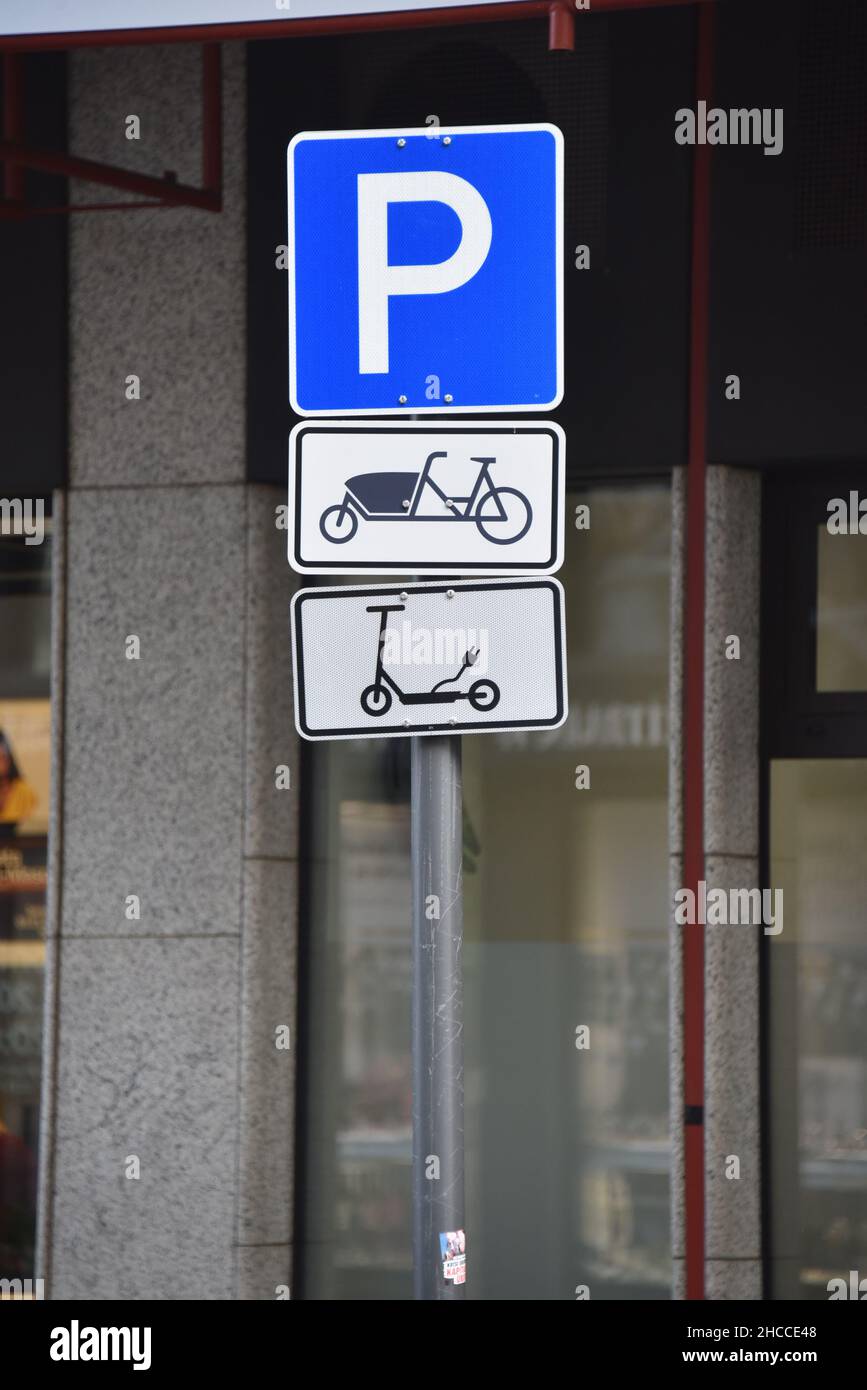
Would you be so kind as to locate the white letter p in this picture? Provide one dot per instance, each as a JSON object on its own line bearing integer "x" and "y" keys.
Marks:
{"x": 378, "y": 281}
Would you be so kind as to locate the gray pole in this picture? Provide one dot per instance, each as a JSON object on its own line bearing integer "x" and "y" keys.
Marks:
{"x": 437, "y": 1008}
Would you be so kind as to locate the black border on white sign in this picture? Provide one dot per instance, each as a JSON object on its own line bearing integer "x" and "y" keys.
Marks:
{"x": 410, "y": 564}
{"x": 365, "y": 730}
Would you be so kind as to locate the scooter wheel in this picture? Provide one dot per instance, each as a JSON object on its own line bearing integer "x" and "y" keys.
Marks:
{"x": 483, "y": 695}
{"x": 338, "y": 523}
{"x": 376, "y": 699}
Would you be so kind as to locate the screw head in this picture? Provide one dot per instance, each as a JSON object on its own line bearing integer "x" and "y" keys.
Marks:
{"x": 448, "y": 398}
{"x": 405, "y": 504}
{"x": 447, "y": 139}
{"x": 450, "y": 593}
{"x": 401, "y": 142}
{"x": 403, "y": 596}
{"x": 450, "y": 503}
{"x": 453, "y": 721}
{"x": 401, "y": 400}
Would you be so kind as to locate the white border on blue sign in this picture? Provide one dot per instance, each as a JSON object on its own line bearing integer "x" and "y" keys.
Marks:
{"x": 450, "y": 409}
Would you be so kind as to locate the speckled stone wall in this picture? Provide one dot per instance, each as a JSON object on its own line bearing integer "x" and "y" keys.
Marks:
{"x": 731, "y": 842}
{"x": 160, "y": 1034}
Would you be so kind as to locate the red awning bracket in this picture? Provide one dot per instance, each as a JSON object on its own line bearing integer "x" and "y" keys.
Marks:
{"x": 16, "y": 156}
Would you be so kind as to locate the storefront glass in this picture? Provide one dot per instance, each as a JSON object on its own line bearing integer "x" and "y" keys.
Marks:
{"x": 24, "y": 788}
{"x": 566, "y": 910}
{"x": 841, "y": 618}
{"x": 817, "y": 1073}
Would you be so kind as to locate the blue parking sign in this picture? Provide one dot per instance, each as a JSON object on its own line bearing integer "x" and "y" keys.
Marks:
{"x": 426, "y": 270}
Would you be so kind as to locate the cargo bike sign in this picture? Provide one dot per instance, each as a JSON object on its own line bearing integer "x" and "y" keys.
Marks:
{"x": 424, "y": 499}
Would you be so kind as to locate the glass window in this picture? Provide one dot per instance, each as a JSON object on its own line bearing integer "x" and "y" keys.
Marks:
{"x": 354, "y": 1188}
{"x": 566, "y": 913}
{"x": 24, "y": 789}
{"x": 841, "y": 612}
{"x": 818, "y": 1026}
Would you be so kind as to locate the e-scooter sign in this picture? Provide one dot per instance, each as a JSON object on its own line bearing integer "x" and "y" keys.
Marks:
{"x": 429, "y": 658}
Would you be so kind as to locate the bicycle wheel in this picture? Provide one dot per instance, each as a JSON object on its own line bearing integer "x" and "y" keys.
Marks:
{"x": 338, "y": 523}
{"x": 508, "y": 525}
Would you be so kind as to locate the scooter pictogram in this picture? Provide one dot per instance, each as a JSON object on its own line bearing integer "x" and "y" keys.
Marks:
{"x": 501, "y": 514}
{"x": 376, "y": 699}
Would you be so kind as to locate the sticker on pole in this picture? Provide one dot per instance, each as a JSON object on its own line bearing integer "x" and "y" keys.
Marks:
{"x": 426, "y": 499}
{"x": 426, "y": 270}
{"x": 429, "y": 659}
{"x": 453, "y": 1252}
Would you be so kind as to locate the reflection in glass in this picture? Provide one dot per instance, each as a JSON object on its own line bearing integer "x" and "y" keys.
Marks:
{"x": 566, "y": 925}
{"x": 818, "y": 1037}
{"x": 358, "y": 1119}
{"x": 566, "y": 911}
{"x": 841, "y": 612}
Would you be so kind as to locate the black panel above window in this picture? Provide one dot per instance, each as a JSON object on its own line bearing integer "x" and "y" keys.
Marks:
{"x": 33, "y": 303}
{"x": 789, "y": 245}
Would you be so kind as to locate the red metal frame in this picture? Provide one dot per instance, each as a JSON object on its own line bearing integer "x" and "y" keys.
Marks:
{"x": 693, "y": 684}
{"x": 165, "y": 192}
{"x": 341, "y": 24}
{"x": 16, "y": 156}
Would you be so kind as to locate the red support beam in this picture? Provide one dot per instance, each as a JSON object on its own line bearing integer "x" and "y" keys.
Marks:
{"x": 212, "y": 122}
{"x": 91, "y": 171}
{"x": 693, "y": 683}
{"x": 165, "y": 192}
{"x": 561, "y": 27}
{"x": 20, "y": 212}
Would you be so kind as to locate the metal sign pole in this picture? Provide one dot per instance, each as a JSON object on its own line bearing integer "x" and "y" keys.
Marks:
{"x": 437, "y": 1010}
